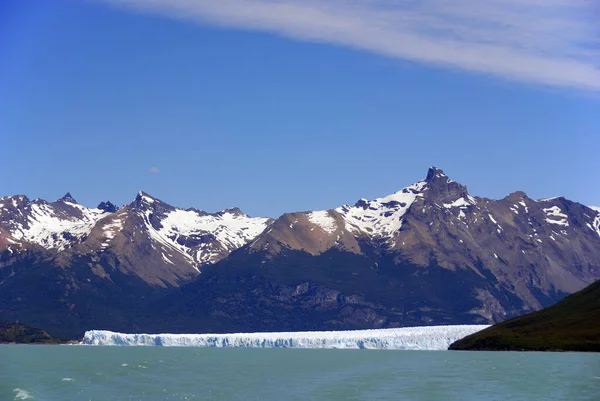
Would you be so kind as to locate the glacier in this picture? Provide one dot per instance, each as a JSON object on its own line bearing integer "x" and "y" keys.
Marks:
{"x": 406, "y": 338}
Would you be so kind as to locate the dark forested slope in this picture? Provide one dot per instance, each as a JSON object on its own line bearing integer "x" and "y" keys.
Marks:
{"x": 572, "y": 324}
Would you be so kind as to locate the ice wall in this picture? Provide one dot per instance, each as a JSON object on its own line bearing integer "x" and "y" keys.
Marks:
{"x": 408, "y": 338}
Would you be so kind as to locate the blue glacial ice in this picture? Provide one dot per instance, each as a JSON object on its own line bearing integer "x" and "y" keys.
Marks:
{"x": 406, "y": 338}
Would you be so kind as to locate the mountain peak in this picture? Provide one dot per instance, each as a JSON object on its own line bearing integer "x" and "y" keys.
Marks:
{"x": 434, "y": 173}
{"x": 16, "y": 201}
{"x": 144, "y": 196}
{"x": 233, "y": 210}
{"x": 517, "y": 195}
{"x": 438, "y": 184}
{"x": 108, "y": 207}
{"x": 144, "y": 200}
{"x": 436, "y": 177}
{"x": 67, "y": 198}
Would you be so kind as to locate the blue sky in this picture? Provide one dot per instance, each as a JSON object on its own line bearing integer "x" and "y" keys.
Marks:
{"x": 290, "y": 105}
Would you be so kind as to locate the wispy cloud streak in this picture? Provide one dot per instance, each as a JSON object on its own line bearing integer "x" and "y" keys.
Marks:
{"x": 550, "y": 42}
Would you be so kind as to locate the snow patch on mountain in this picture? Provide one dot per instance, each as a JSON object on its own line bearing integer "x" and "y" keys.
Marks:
{"x": 53, "y": 229}
{"x": 383, "y": 216}
{"x": 166, "y": 259}
{"x": 550, "y": 199}
{"x": 230, "y": 230}
{"x": 160, "y": 236}
{"x": 324, "y": 220}
{"x": 554, "y": 215}
{"x": 145, "y": 198}
{"x": 111, "y": 228}
{"x": 595, "y": 226}
{"x": 407, "y": 338}
{"x": 460, "y": 202}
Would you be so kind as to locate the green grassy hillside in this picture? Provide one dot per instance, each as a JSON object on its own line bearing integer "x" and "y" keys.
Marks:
{"x": 572, "y": 324}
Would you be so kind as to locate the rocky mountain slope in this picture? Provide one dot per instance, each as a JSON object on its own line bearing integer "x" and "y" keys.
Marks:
{"x": 573, "y": 324}
{"x": 192, "y": 236}
{"x": 428, "y": 254}
{"x": 63, "y": 265}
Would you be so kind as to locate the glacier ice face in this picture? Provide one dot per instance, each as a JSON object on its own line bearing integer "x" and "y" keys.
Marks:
{"x": 407, "y": 338}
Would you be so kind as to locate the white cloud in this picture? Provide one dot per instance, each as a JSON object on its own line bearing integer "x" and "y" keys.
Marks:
{"x": 154, "y": 170}
{"x": 551, "y": 42}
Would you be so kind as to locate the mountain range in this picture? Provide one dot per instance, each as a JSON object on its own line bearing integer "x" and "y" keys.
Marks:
{"x": 428, "y": 254}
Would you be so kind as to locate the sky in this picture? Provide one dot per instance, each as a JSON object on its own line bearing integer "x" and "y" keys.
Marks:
{"x": 276, "y": 106}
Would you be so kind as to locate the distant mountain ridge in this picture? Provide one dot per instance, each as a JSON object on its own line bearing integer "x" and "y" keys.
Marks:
{"x": 430, "y": 253}
{"x": 437, "y": 216}
{"x": 65, "y": 267}
{"x": 193, "y": 236}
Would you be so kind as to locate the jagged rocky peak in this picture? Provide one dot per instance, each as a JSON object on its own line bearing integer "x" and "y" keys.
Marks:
{"x": 107, "y": 207}
{"x": 144, "y": 197}
{"x": 67, "y": 198}
{"x": 234, "y": 211}
{"x": 362, "y": 203}
{"x": 516, "y": 196}
{"x": 13, "y": 202}
{"x": 439, "y": 185}
{"x": 150, "y": 208}
{"x": 435, "y": 173}
{"x": 144, "y": 200}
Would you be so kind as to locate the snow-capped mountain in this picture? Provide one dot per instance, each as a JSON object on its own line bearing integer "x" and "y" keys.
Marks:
{"x": 437, "y": 216}
{"x": 188, "y": 236}
{"x": 53, "y": 226}
{"x": 204, "y": 238}
{"x": 165, "y": 244}
{"x": 63, "y": 262}
{"x": 430, "y": 253}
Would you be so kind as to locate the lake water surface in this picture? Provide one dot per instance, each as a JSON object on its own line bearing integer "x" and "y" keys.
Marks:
{"x": 155, "y": 373}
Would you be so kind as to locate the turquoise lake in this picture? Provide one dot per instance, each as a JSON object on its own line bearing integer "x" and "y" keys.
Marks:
{"x": 60, "y": 373}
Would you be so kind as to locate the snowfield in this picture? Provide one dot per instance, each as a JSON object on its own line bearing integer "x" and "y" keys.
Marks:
{"x": 407, "y": 338}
